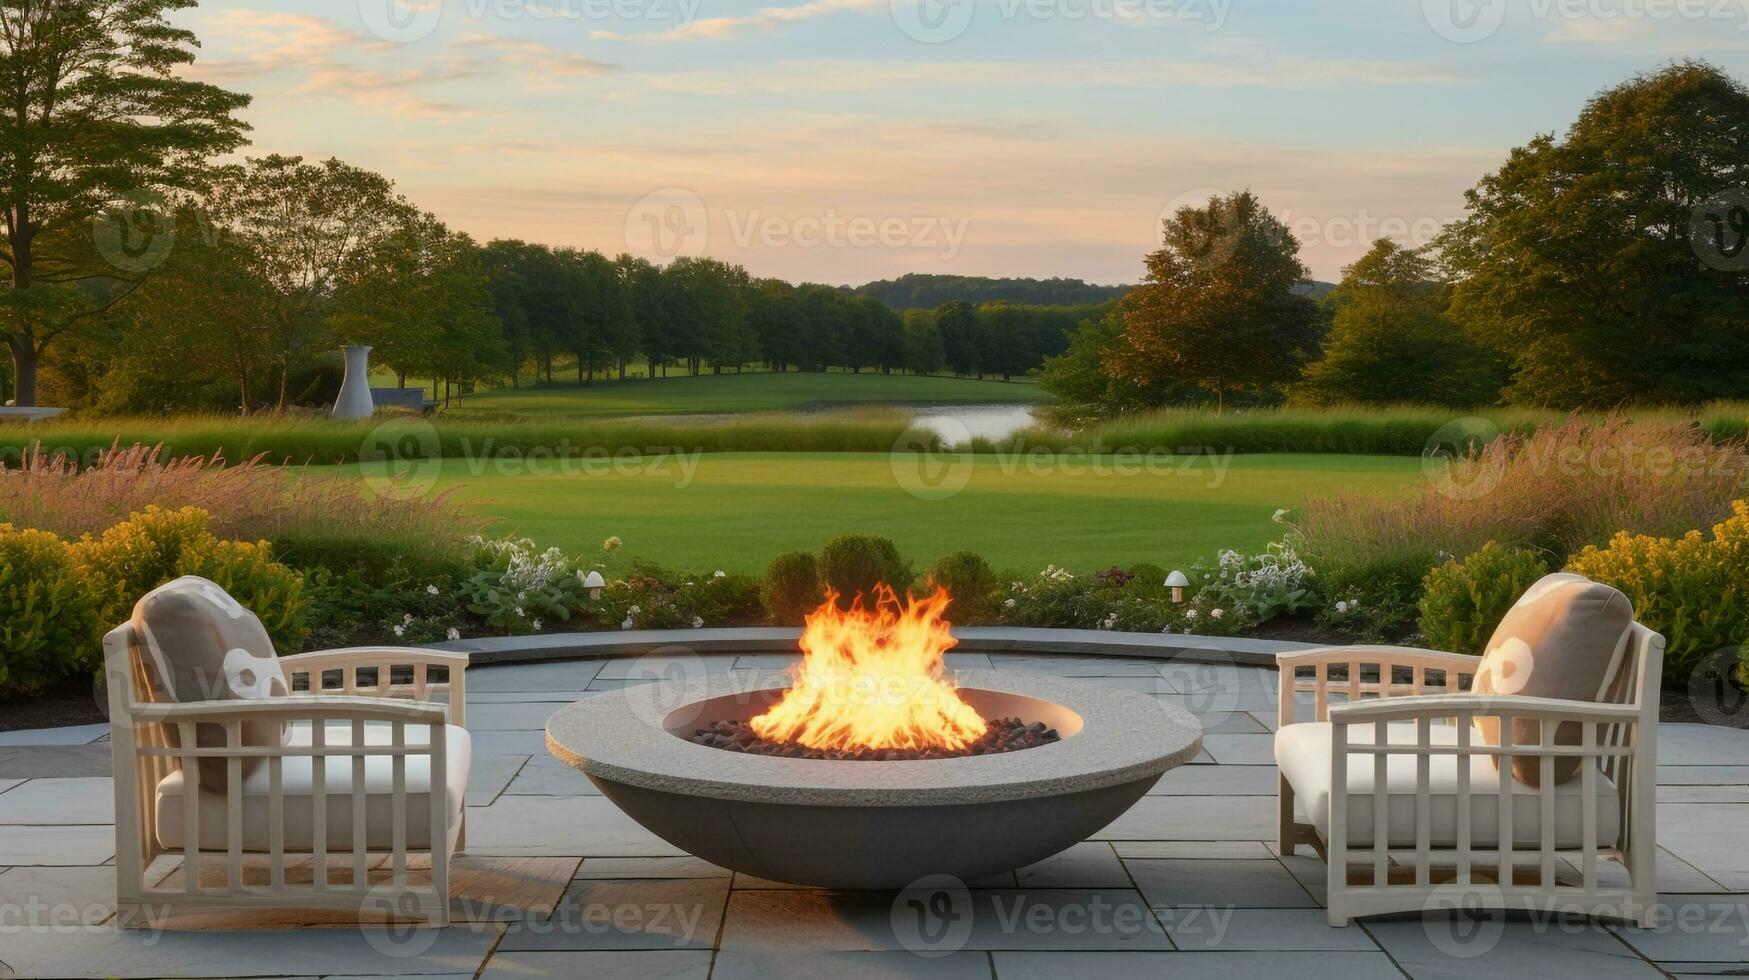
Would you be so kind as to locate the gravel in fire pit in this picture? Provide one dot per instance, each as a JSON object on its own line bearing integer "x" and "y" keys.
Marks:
{"x": 1004, "y": 735}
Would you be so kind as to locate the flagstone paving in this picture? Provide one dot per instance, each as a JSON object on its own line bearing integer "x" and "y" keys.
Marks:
{"x": 1188, "y": 884}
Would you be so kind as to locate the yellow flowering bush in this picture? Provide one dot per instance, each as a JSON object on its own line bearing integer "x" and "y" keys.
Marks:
{"x": 1693, "y": 589}
{"x": 158, "y": 545}
{"x": 47, "y": 616}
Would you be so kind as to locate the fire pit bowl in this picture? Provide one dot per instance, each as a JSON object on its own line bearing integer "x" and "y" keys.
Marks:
{"x": 876, "y": 825}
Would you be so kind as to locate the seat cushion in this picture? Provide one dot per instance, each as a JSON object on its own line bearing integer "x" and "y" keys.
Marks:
{"x": 298, "y": 782}
{"x": 1565, "y": 638}
{"x": 1303, "y": 752}
{"x": 200, "y": 644}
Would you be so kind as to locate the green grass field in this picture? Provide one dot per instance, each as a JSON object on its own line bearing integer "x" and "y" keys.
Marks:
{"x": 737, "y": 511}
{"x": 762, "y": 392}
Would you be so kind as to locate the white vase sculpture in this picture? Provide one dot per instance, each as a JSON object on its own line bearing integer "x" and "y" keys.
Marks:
{"x": 355, "y": 401}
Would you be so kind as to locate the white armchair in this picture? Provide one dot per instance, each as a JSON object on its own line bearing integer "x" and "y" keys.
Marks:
{"x": 381, "y": 732}
{"x": 1402, "y": 719}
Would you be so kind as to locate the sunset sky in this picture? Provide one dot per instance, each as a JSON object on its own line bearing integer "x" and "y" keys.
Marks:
{"x": 843, "y": 141}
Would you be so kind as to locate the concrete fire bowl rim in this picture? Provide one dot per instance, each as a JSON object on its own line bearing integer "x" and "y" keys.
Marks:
{"x": 1127, "y": 736}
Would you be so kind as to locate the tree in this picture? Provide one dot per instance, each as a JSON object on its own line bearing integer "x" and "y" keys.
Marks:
{"x": 97, "y": 116}
{"x": 957, "y": 322}
{"x": 1082, "y": 385}
{"x": 1218, "y": 307}
{"x": 923, "y": 351}
{"x": 308, "y": 228}
{"x": 425, "y": 304}
{"x": 1391, "y": 341}
{"x": 1586, "y": 258}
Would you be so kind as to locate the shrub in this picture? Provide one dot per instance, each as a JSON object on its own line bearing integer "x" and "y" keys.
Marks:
{"x": 654, "y": 598}
{"x": 791, "y": 588}
{"x": 1367, "y": 618}
{"x": 248, "y": 572}
{"x": 48, "y": 621}
{"x": 517, "y": 589}
{"x": 854, "y": 564}
{"x": 157, "y": 545}
{"x": 1463, "y": 602}
{"x": 974, "y": 584}
{"x": 137, "y": 555}
{"x": 1692, "y": 589}
{"x": 1274, "y": 583}
{"x": 1104, "y": 601}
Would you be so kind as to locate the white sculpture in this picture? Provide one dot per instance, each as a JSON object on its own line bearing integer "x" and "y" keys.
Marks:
{"x": 355, "y": 400}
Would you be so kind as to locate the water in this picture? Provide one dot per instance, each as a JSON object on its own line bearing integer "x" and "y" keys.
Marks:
{"x": 959, "y": 423}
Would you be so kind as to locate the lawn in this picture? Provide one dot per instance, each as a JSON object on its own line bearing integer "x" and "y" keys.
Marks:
{"x": 763, "y": 392}
{"x": 735, "y": 511}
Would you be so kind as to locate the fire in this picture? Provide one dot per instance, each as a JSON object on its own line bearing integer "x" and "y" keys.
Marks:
{"x": 875, "y": 679}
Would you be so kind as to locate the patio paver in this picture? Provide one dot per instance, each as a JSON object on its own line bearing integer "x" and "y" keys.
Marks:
{"x": 1193, "y": 867}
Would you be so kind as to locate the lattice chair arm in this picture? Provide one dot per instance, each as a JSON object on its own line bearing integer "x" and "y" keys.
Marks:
{"x": 1384, "y": 661}
{"x": 384, "y": 660}
{"x": 319, "y": 707}
{"x": 1438, "y": 706}
{"x": 1365, "y": 653}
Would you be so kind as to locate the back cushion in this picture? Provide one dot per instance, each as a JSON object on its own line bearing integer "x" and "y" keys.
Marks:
{"x": 199, "y": 644}
{"x": 1565, "y": 638}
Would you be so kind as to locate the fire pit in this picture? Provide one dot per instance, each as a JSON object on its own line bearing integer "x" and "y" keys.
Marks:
{"x": 890, "y": 793}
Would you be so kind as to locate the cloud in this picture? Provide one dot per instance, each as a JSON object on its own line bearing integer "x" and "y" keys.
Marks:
{"x": 1271, "y": 71}
{"x": 764, "y": 19}
{"x": 540, "y": 67}
{"x": 1597, "y": 30}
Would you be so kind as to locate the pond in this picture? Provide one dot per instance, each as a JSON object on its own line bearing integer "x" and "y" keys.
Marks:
{"x": 957, "y": 423}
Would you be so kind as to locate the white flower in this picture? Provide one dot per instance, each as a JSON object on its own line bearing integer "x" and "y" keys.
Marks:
{"x": 721, "y": 575}
{"x": 431, "y": 590}
{"x": 520, "y": 614}
{"x": 400, "y": 631}
{"x": 633, "y": 611}
{"x": 535, "y": 625}
{"x": 1010, "y": 604}
{"x": 1190, "y": 614}
{"x": 407, "y": 620}
{"x": 1218, "y": 614}
{"x": 627, "y": 624}
{"x": 698, "y": 622}
{"x": 1280, "y": 517}
{"x": 454, "y": 634}
{"x": 1342, "y": 608}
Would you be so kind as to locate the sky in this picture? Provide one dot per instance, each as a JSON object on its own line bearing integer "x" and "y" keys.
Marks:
{"x": 843, "y": 141}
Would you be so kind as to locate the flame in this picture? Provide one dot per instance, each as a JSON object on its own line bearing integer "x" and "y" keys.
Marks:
{"x": 875, "y": 679}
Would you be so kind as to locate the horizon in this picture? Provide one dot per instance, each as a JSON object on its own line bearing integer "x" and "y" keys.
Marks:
{"x": 850, "y": 141}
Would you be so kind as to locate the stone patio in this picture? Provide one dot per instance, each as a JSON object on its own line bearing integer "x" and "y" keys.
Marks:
{"x": 1187, "y": 884}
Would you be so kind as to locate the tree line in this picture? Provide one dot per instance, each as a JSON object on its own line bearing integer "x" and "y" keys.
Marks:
{"x": 1605, "y": 267}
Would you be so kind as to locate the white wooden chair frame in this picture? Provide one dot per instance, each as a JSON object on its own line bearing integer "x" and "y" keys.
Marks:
{"x": 143, "y": 756}
{"x": 1398, "y": 684}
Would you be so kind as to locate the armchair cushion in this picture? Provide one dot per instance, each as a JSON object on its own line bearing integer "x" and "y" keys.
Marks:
{"x": 202, "y": 645}
{"x": 1566, "y": 638}
{"x": 298, "y": 785}
{"x": 1304, "y": 753}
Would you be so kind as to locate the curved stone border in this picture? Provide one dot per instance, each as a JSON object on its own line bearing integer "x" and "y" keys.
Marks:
{"x": 638, "y": 643}
{"x": 1127, "y": 737}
